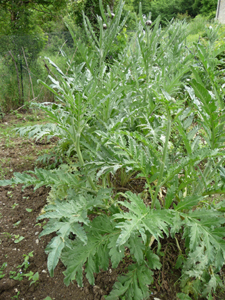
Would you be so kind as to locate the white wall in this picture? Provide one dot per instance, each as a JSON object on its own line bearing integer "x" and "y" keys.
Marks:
{"x": 220, "y": 15}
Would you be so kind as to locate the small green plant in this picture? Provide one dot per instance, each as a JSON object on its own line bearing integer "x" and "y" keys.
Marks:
{"x": 32, "y": 118}
{"x": 17, "y": 223}
{"x": 16, "y": 296}
{"x": 26, "y": 263}
{"x": 41, "y": 224}
{"x": 16, "y": 275}
{"x": 29, "y": 210}
{"x": 3, "y": 173}
{"x": 10, "y": 194}
{"x": 18, "y": 238}
{"x": 4, "y": 265}
{"x": 32, "y": 277}
{"x": 23, "y": 267}
{"x": 7, "y": 234}
{"x": 14, "y": 205}
{"x": 18, "y": 115}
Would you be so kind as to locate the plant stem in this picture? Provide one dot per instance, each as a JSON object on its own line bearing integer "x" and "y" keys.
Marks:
{"x": 163, "y": 160}
{"x": 178, "y": 246}
{"x": 76, "y": 139}
{"x": 81, "y": 160}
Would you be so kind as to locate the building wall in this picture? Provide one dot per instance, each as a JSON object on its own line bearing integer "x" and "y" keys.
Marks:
{"x": 220, "y": 15}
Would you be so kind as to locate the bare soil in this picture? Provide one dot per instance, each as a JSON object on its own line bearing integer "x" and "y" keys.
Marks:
{"x": 14, "y": 203}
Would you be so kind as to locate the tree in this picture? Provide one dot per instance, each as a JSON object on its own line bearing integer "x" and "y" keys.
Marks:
{"x": 205, "y": 7}
{"x": 146, "y": 6}
{"x": 90, "y": 8}
{"x": 19, "y": 12}
{"x": 170, "y": 9}
{"x": 20, "y": 36}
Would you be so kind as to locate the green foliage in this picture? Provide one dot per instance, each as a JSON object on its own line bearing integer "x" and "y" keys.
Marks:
{"x": 197, "y": 26}
{"x": 174, "y": 8}
{"x": 134, "y": 285}
{"x": 167, "y": 10}
{"x": 18, "y": 15}
{"x": 206, "y": 7}
{"x": 4, "y": 265}
{"x": 32, "y": 277}
{"x": 21, "y": 41}
{"x": 91, "y": 9}
{"x": 156, "y": 113}
{"x": 67, "y": 217}
{"x": 23, "y": 267}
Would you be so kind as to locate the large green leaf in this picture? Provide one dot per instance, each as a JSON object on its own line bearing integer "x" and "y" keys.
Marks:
{"x": 188, "y": 202}
{"x": 54, "y": 250}
{"x": 133, "y": 285}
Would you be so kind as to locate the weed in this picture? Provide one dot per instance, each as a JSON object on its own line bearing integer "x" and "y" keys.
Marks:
{"x": 7, "y": 234}
{"x": 29, "y": 210}
{"x": 3, "y": 173}
{"x": 41, "y": 224}
{"x": 16, "y": 296}
{"x": 17, "y": 223}
{"x": 26, "y": 263}
{"x": 17, "y": 114}
{"x": 14, "y": 205}
{"x": 23, "y": 267}
{"x": 32, "y": 277}
{"x": 18, "y": 238}
{"x": 4, "y": 265}
{"x": 10, "y": 195}
{"x": 5, "y": 161}
{"x": 29, "y": 157}
{"x": 16, "y": 275}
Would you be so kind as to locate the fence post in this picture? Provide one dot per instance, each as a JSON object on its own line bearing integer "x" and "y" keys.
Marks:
{"x": 18, "y": 79}
{"x": 21, "y": 76}
{"x": 28, "y": 70}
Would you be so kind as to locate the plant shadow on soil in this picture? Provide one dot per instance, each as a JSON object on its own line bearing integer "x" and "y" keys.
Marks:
{"x": 14, "y": 203}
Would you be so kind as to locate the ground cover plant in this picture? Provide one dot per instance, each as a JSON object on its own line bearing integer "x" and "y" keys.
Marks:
{"x": 156, "y": 115}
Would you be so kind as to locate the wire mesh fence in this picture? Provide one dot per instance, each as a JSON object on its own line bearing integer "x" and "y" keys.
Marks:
{"x": 22, "y": 63}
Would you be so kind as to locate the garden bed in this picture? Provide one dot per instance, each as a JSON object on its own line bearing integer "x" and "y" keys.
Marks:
{"x": 19, "y": 210}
